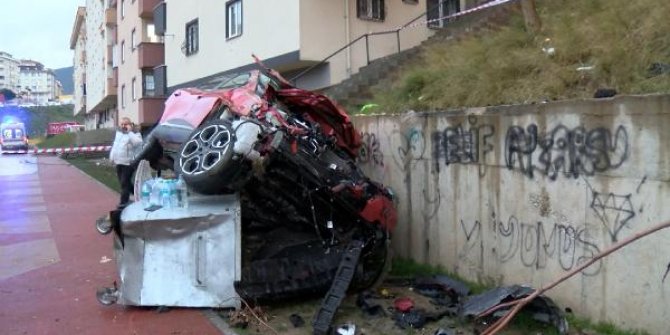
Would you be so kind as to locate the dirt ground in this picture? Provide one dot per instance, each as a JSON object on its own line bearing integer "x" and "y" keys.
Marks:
{"x": 277, "y": 318}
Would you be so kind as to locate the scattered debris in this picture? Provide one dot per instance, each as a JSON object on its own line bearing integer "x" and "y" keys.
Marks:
{"x": 657, "y": 69}
{"x": 415, "y": 318}
{"x": 249, "y": 317}
{"x": 442, "y": 283}
{"x": 605, "y": 93}
{"x": 403, "y": 304}
{"x": 296, "y": 320}
{"x": 365, "y": 301}
{"x": 542, "y": 308}
{"x": 347, "y": 329}
{"x": 547, "y": 47}
{"x": 442, "y": 331}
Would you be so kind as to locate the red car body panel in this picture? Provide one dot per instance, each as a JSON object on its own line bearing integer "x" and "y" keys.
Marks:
{"x": 190, "y": 105}
{"x": 194, "y": 105}
{"x": 332, "y": 118}
{"x": 381, "y": 210}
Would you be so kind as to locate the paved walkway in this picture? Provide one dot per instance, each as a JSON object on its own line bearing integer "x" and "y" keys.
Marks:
{"x": 52, "y": 260}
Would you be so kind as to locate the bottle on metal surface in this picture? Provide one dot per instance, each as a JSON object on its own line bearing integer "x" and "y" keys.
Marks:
{"x": 182, "y": 192}
{"x": 145, "y": 193}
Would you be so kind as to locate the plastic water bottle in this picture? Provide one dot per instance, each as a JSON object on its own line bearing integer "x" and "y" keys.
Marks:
{"x": 174, "y": 196}
{"x": 145, "y": 193}
{"x": 155, "y": 197}
{"x": 165, "y": 194}
{"x": 182, "y": 193}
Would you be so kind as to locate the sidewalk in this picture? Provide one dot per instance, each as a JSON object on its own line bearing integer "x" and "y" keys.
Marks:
{"x": 58, "y": 260}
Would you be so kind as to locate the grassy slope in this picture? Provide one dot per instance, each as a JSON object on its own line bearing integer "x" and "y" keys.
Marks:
{"x": 621, "y": 39}
{"x": 42, "y": 115}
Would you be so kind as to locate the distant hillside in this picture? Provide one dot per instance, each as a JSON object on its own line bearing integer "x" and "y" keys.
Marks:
{"x": 64, "y": 75}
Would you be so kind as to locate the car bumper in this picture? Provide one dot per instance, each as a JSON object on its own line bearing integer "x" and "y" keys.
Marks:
{"x": 12, "y": 147}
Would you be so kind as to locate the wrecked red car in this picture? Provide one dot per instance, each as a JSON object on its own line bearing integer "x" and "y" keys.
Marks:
{"x": 290, "y": 155}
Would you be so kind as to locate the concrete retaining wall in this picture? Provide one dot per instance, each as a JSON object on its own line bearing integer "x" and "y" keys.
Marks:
{"x": 521, "y": 194}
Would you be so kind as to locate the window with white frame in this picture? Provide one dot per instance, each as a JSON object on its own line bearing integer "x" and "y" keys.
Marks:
{"x": 190, "y": 46}
{"x": 233, "y": 18}
{"x": 123, "y": 52}
{"x": 123, "y": 9}
{"x": 133, "y": 40}
{"x": 148, "y": 83}
{"x": 133, "y": 89}
{"x": 370, "y": 9}
{"x": 123, "y": 96}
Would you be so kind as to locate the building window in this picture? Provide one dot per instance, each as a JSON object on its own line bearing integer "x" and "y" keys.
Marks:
{"x": 133, "y": 40}
{"x": 233, "y": 18}
{"x": 190, "y": 46}
{"x": 123, "y": 51}
{"x": 133, "y": 89}
{"x": 437, "y": 11}
{"x": 123, "y": 9}
{"x": 123, "y": 96}
{"x": 370, "y": 9}
{"x": 148, "y": 83}
{"x": 414, "y": 2}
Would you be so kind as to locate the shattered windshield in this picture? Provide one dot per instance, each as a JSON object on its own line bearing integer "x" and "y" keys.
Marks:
{"x": 236, "y": 81}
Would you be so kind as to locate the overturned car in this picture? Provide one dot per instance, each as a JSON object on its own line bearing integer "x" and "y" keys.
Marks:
{"x": 309, "y": 216}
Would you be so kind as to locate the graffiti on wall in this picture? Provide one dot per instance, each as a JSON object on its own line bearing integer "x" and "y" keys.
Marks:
{"x": 533, "y": 245}
{"x": 614, "y": 211}
{"x": 572, "y": 152}
{"x": 431, "y": 203}
{"x": 462, "y": 144}
{"x": 410, "y": 147}
{"x": 472, "y": 252}
{"x": 370, "y": 151}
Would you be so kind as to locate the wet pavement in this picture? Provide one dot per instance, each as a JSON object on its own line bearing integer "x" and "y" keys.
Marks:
{"x": 52, "y": 260}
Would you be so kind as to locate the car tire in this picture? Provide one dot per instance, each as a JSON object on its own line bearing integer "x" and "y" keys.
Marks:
{"x": 206, "y": 160}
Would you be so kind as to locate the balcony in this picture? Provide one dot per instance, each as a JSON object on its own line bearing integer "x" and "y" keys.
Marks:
{"x": 111, "y": 87}
{"x": 110, "y": 17}
{"x": 115, "y": 77}
{"x": 150, "y": 109}
{"x": 110, "y": 54}
{"x": 150, "y": 55}
{"x": 146, "y": 8}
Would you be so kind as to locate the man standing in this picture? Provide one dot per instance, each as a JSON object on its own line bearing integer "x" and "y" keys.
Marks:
{"x": 127, "y": 144}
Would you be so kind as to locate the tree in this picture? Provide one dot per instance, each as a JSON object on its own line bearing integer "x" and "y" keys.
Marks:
{"x": 7, "y": 94}
{"x": 530, "y": 16}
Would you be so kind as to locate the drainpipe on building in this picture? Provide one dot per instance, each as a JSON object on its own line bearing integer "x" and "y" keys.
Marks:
{"x": 347, "y": 37}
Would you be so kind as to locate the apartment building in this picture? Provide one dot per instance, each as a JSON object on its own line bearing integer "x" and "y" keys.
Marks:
{"x": 138, "y": 51}
{"x": 37, "y": 84}
{"x": 9, "y": 72}
{"x": 206, "y": 40}
{"x": 78, "y": 46}
{"x": 99, "y": 84}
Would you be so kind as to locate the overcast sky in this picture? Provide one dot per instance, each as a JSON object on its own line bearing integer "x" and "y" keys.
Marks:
{"x": 38, "y": 30}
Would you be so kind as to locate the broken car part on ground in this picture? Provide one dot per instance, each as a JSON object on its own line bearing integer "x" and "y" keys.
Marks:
{"x": 309, "y": 220}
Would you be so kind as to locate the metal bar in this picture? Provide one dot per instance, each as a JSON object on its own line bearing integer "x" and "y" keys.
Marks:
{"x": 327, "y": 58}
{"x": 367, "y": 49}
{"x": 397, "y": 35}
